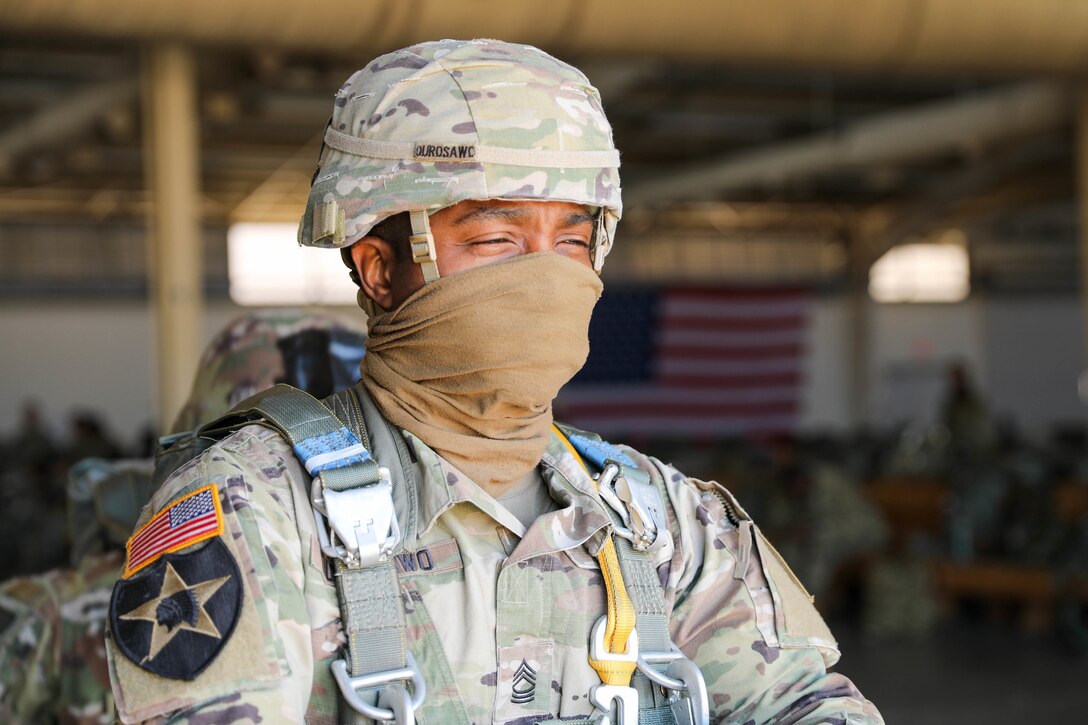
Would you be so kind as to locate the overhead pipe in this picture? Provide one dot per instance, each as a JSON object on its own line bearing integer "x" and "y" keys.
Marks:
{"x": 59, "y": 120}
{"x": 988, "y": 36}
{"x": 960, "y": 125}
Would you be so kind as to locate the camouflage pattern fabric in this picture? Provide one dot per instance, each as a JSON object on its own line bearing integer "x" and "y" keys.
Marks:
{"x": 448, "y": 103}
{"x": 52, "y": 657}
{"x": 315, "y": 352}
{"x": 486, "y": 601}
{"x": 795, "y": 512}
{"x": 900, "y": 599}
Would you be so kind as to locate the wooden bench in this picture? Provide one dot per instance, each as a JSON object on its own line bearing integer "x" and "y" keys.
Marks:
{"x": 916, "y": 504}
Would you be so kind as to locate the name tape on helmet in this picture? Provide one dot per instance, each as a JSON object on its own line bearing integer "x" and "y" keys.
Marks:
{"x": 435, "y": 151}
{"x": 445, "y": 152}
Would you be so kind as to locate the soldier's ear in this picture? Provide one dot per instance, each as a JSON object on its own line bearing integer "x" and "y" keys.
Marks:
{"x": 375, "y": 261}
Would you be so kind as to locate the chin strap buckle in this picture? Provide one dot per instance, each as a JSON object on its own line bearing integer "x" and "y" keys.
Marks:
{"x": 422, "y": 241}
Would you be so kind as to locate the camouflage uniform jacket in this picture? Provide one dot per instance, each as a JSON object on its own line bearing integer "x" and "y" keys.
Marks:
{"x": 52, "y": 657}
{"x": 482, "y": 595}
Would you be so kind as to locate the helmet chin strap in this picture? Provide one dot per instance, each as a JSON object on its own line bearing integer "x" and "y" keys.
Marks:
{"x": 601, "y": 243}
{"x": 423, "y": 252}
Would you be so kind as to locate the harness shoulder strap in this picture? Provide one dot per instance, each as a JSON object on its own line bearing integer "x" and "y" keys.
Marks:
{"x": 636, "y": 504}
{"x": 357, "y": 524}
{"x": 388, "y": 446}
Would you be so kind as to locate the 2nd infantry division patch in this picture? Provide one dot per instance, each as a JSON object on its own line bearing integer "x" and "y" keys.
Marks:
{"x": 172, "y": 613}
{"x": 174, "y": 617}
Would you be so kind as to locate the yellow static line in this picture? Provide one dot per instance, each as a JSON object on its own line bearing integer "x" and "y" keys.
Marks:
{"x": 621, "y": 613}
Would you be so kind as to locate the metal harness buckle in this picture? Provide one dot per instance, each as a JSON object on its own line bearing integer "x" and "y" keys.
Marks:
{"x": 684, "y": 682}
{"x": 639, "y": 506}
{"x": 362, "y": 525}
{"x": 603, "y": 696}
{"x": 395, "y": 703}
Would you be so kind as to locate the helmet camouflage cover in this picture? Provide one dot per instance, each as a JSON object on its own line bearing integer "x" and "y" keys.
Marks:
{"x": 437, "y": 123}
{"x": 315, "y": 351}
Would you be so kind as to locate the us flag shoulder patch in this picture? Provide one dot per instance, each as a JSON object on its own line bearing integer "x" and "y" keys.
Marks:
{"x": 188, "y": 520}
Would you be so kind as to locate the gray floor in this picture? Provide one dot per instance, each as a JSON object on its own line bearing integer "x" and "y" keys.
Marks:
{"x": 967, "y": 674}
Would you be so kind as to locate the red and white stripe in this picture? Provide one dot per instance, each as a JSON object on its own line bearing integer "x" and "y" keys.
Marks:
{"x": 161, "y": 536}
{"x": 728, "y": 362}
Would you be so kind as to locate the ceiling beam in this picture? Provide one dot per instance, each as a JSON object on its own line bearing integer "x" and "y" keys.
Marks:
{"x": 961, "y": 125}
{"x": 991, "y": 36}
{"x": 58, "y": 121}
{"x": 947, "y": 200}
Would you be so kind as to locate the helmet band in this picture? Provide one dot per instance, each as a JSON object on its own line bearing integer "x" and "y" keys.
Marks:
{"x": 469, "y": 153}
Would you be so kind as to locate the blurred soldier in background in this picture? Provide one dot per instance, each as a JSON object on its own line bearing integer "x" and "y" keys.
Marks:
{"x": 441, "y": 547}
{"x": 795, "y": 500}
{"x": 52, "y": 657}
{"x": 965, "y": 415}
{"x": 31, "y": 496}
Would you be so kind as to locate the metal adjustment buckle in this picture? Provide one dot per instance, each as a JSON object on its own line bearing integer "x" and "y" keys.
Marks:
{"x": 362, "y": 525}
{"x": 423, "y": 249}
{"x": 638, "y": 504}
{"x": 694, "y": 705}
{"x": 684, "y": 682}
{"x": 603, "y": 696}
{"x": 395, "y": 703}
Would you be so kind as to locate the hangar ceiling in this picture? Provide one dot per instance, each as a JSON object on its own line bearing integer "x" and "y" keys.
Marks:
{"x": 732, "y": 171}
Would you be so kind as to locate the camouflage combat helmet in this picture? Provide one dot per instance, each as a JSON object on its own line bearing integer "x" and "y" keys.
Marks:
{"x": 313, "y": 351}
{"x": 438, "y": 123}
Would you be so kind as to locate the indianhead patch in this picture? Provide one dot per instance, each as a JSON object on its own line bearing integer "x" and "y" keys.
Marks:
{"x": 175, "y": 616}
{"x": 184, "y": 522}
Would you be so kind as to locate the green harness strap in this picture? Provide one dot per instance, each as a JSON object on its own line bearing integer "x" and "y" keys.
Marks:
{"x": 663, "y": 671}
{"x": 357, "y": 525}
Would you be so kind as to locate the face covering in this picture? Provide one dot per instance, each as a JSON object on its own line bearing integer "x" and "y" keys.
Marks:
{"x": 471, "y": 362}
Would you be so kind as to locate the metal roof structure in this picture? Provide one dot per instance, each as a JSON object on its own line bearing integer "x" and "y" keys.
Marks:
{"x": 794, "y": 164}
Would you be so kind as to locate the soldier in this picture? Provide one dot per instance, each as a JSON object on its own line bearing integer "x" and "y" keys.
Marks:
{"x": 447, "y": 554}
{"x": 52, "y": 659}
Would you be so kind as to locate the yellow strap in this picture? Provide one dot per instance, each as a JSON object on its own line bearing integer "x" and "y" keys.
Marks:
{"x": 621, "y": 613}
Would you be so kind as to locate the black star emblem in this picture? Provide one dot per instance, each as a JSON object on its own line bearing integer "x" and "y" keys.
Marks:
{"x": 178, "y": 608}
{"x": 174, "y": 617}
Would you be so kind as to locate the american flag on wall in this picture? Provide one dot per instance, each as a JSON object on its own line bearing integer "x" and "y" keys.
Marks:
{"x": 691, "y": 361}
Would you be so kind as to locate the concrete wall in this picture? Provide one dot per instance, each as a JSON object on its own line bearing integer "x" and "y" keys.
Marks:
{"x": 85, "y": 355}
{"x": 1035, "y": 349}
{"x": 1025, "y": 354}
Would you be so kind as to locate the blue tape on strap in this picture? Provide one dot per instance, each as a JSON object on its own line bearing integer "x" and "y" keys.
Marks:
{"x": 331, "y": 450}
{"x": 598, "y": 452}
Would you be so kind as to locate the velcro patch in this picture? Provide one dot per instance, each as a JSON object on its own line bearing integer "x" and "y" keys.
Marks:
{"x": 187, "y": 521}
{"x": 444, "y": 152}
{"x": 174, "y": 618}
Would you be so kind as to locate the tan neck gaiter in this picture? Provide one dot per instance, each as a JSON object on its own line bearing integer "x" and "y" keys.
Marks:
{"x": 471, "y": 362}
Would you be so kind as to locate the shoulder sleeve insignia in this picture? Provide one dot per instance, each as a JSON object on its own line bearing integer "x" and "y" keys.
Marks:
{"x": 187, "y": 521}
{"x": 175, "y": 616}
